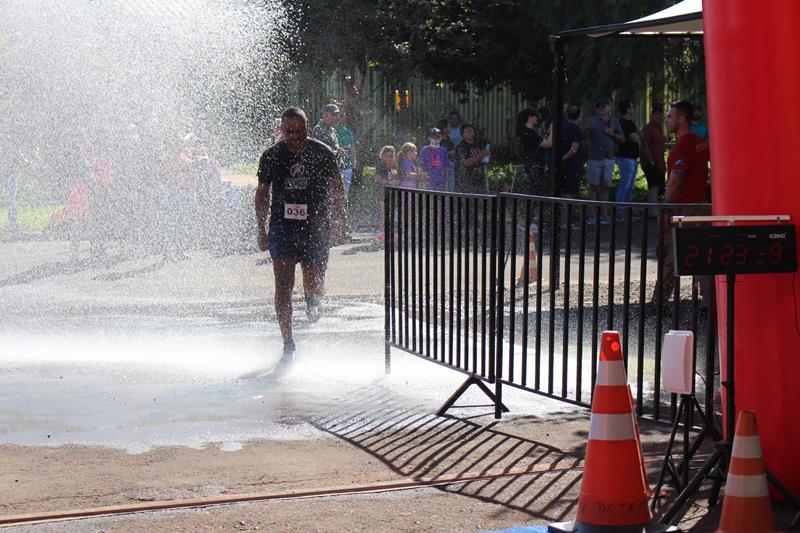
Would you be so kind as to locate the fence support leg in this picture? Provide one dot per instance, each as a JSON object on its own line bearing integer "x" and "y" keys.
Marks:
{"x": 472, "y": 380}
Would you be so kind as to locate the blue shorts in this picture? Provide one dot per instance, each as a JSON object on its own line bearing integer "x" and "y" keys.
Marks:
{"x": 599, "y": 172}
{"x": 306, "y": 247}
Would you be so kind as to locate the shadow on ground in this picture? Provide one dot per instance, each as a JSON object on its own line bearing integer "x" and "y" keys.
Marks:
{"x": 519, "y": 473}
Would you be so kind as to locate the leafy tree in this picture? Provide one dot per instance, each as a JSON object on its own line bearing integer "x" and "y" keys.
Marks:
{"x": 485, "y": 42}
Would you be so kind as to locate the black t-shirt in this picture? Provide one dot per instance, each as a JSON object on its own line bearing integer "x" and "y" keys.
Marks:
{"x": 571, "y": 133}
{"x": 300, "y": 185}
{"x": 628, "y": 149}
{"x": 529, "y": 142}
{"x": 468, "y": 178}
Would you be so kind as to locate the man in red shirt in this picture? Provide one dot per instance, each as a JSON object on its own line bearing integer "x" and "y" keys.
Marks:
{"x": 688, "y": 159}
{"x": 687, "y": 167}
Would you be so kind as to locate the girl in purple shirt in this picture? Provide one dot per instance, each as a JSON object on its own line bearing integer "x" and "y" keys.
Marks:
{"x": 406, "y": 166}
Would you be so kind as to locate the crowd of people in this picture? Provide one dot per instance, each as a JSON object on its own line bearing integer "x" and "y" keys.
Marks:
{"x": 455, "y": 158}
{"x": 162, "y": 193}
{"x": 150, "y": 191}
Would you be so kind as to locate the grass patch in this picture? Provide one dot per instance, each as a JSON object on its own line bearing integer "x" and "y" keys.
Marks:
{"x": 242, "y": 167}
{"x": 30, "y": 218}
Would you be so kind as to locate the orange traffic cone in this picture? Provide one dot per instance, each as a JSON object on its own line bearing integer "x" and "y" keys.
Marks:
{"x": 746, "y": 506}
{"x": 614, "y": 489}
{"x": 533, "y": 268}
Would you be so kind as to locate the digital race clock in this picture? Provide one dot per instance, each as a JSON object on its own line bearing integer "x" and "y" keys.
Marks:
{"x": 701, "y": 250}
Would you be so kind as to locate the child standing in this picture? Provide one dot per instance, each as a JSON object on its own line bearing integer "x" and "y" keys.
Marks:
{"x": 434, "y": 161}
{"x": 385, "y": 176}
{"x": 407, "y": 168}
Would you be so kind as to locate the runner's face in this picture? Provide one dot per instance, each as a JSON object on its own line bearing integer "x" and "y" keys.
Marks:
{"x": 295, "y": 131}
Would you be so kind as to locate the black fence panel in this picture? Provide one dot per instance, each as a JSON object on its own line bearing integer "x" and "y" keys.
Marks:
{"x": 516, "y": 290}
{"x": 440, "y": 260}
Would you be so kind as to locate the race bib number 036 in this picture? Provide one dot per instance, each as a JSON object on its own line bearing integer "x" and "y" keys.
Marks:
{"x": 295, "y": 211}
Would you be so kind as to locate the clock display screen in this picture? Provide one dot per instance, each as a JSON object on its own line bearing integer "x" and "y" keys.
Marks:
{"x": 734, "y": 249}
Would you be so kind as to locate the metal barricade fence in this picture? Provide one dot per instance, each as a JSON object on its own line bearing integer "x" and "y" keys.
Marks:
{"x": 515, "y": 290}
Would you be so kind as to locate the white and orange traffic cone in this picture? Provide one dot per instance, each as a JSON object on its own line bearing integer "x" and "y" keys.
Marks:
{"x": 614, "y": 490}
{"x": 746, "y": 506}
{"x": 532, "y": 262}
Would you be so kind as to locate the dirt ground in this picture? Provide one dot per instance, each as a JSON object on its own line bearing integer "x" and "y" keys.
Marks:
{"x": 394, "y": 445}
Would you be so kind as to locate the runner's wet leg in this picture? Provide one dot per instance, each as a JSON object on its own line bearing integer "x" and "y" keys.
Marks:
{"x": 284, "y": 284}
{"x": 314, "y": 288}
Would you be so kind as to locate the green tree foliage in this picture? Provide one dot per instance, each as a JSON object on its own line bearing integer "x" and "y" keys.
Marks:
{"x": 487, "y": 43}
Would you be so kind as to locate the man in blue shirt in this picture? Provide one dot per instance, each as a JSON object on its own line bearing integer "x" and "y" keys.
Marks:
{"x": 603, "y": 133}
{"x": 698, "y": 126}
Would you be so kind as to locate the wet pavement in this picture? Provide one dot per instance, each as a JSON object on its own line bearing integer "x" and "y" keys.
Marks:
{"x": 136, "y": 381}
{"x": 132, "y": 353}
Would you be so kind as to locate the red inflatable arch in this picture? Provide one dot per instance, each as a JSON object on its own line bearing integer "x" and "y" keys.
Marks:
{"x": 753, "y": 75}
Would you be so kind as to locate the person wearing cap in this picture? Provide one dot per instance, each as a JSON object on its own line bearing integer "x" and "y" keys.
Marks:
{"x": 325, "y": 132}
{"x": 305, "y": 209}
{"x": 603, "y": 132}
{"x": 434, "y": 162}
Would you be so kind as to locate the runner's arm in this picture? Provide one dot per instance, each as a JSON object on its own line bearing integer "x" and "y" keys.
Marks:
{"x": 262, "y": 208}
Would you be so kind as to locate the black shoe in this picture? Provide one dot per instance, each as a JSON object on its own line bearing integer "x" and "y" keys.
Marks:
{"x": 346, "y": 239}
{"x": 313, "y": 310}
{"x": 288, "y": 350}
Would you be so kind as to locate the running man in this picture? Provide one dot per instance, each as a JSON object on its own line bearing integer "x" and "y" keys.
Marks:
{"x": 304, "y": 215}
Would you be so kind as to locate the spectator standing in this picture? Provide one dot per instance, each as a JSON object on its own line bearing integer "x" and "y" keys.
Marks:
{"x": 688, "y": 184}
{"x": 407, "y": 168}
{"x": 470, "y": 172}
{"x": 651, "y": 155}
{"x": 434, "y": 161}
{"x": 386, "y": 169}
{"x": 571, "y": 164}
{"x": 602, "y": 132}
{"x": 325, "y": 132}
{"x": 698, "y": 126}
{"x": 444, "y": 125}
{"x": 455, "y": 123}
{"x": 385, "y": 176}
{"x": 628, "y": 153}
{"x": 529, "y": 142}
{"x": 348, "y": 143}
